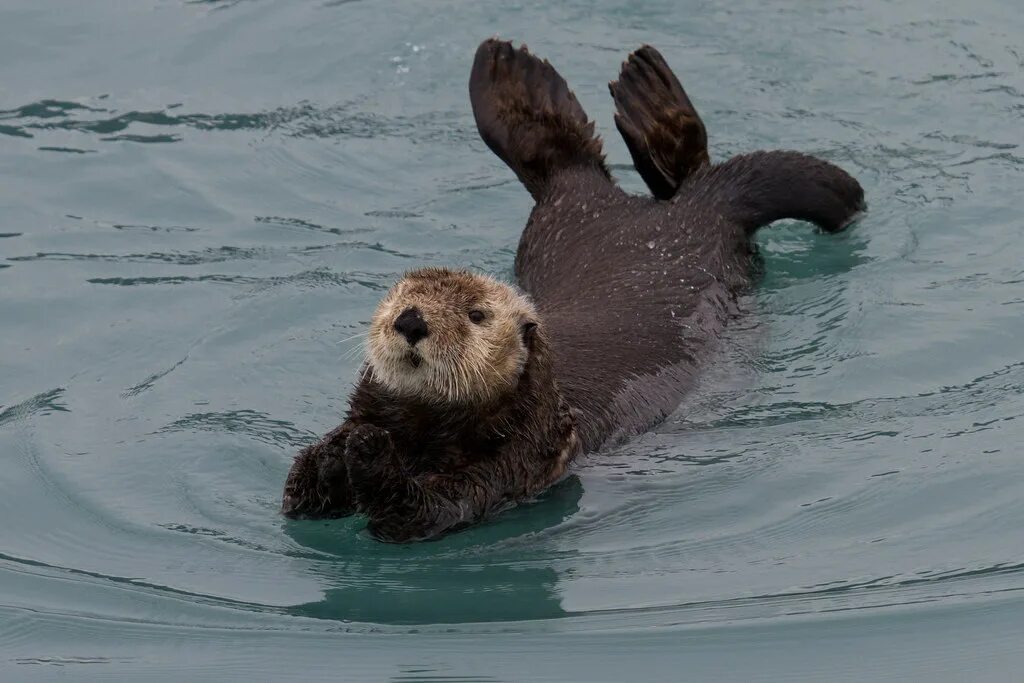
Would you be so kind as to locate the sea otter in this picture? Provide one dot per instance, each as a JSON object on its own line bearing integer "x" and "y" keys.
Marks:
{"x": 474, "y": 396}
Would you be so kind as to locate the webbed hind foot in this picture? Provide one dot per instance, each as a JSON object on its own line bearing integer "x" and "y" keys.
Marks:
{"x": 661, "y": 127}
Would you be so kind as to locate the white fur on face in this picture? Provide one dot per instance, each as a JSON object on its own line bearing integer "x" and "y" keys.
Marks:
{"x": 459, "y": 361}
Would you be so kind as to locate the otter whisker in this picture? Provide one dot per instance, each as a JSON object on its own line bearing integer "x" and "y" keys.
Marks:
{"x": 351, "y": 353}
{"x": 354, "y": 336}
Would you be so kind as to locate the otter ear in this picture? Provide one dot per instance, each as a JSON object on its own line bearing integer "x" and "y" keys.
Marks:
{"x": 528, "y": 330}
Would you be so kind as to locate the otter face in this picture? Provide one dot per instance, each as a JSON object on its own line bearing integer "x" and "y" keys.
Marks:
{"x": 450, "y": 336}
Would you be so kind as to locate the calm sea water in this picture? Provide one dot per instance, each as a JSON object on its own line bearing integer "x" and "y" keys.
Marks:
{"x": 201, "y": 203}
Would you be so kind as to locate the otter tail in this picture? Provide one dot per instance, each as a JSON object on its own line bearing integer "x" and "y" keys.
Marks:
{"x": 661, "y": 127}
{"x": 756, "y": 189}
{"x": 527, "y": 115}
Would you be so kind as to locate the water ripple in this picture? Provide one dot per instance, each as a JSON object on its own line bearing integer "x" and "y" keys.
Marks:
{"x": 148, "y": 383}
{"x": 40, "y": 404}
{"x": 303, "y": 120}
{"x": 258, "y": 426}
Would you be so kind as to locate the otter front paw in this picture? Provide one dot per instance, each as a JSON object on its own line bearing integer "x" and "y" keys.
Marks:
{"x": 396, "y": 529}
{"x": 414, "y": 515}
{"x": 317, "y": 485}
{"x": 366, "y": 441}
{"x": 370, "y": 461}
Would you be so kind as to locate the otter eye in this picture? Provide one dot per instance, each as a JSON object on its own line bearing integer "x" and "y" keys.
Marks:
{"x": 526, "y": 330}
{"x": 477, "y": 316}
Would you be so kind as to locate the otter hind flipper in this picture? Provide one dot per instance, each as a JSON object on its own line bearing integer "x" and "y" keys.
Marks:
{"x": 529, "y": 117}
{"x": 661, "y": 127}
{"x": 759, "y": 188}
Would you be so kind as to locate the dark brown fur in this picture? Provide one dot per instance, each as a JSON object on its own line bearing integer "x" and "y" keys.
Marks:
{"x": 661, "y": 127}
{"x": 633, "y": 291}
{"x": 540, "y": 128}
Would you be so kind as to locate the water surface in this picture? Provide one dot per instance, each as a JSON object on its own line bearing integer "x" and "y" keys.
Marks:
{"x": 203, "y": 201}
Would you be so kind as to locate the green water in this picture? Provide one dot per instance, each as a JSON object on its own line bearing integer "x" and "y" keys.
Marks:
{"x": 201, "y": 203}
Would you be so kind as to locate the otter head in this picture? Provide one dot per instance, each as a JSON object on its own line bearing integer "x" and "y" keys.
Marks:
{"x": 451, "y": 336}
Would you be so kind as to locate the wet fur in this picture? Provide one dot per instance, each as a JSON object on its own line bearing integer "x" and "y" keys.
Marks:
{"x": 629, "y": 294}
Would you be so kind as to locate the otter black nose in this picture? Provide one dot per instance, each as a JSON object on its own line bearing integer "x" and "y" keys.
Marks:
{"x": 411, "y": 325}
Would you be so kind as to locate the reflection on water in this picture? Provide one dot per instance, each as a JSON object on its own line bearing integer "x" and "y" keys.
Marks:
{"x": 203, "y": 201}
{"x": 458, "y": 579}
